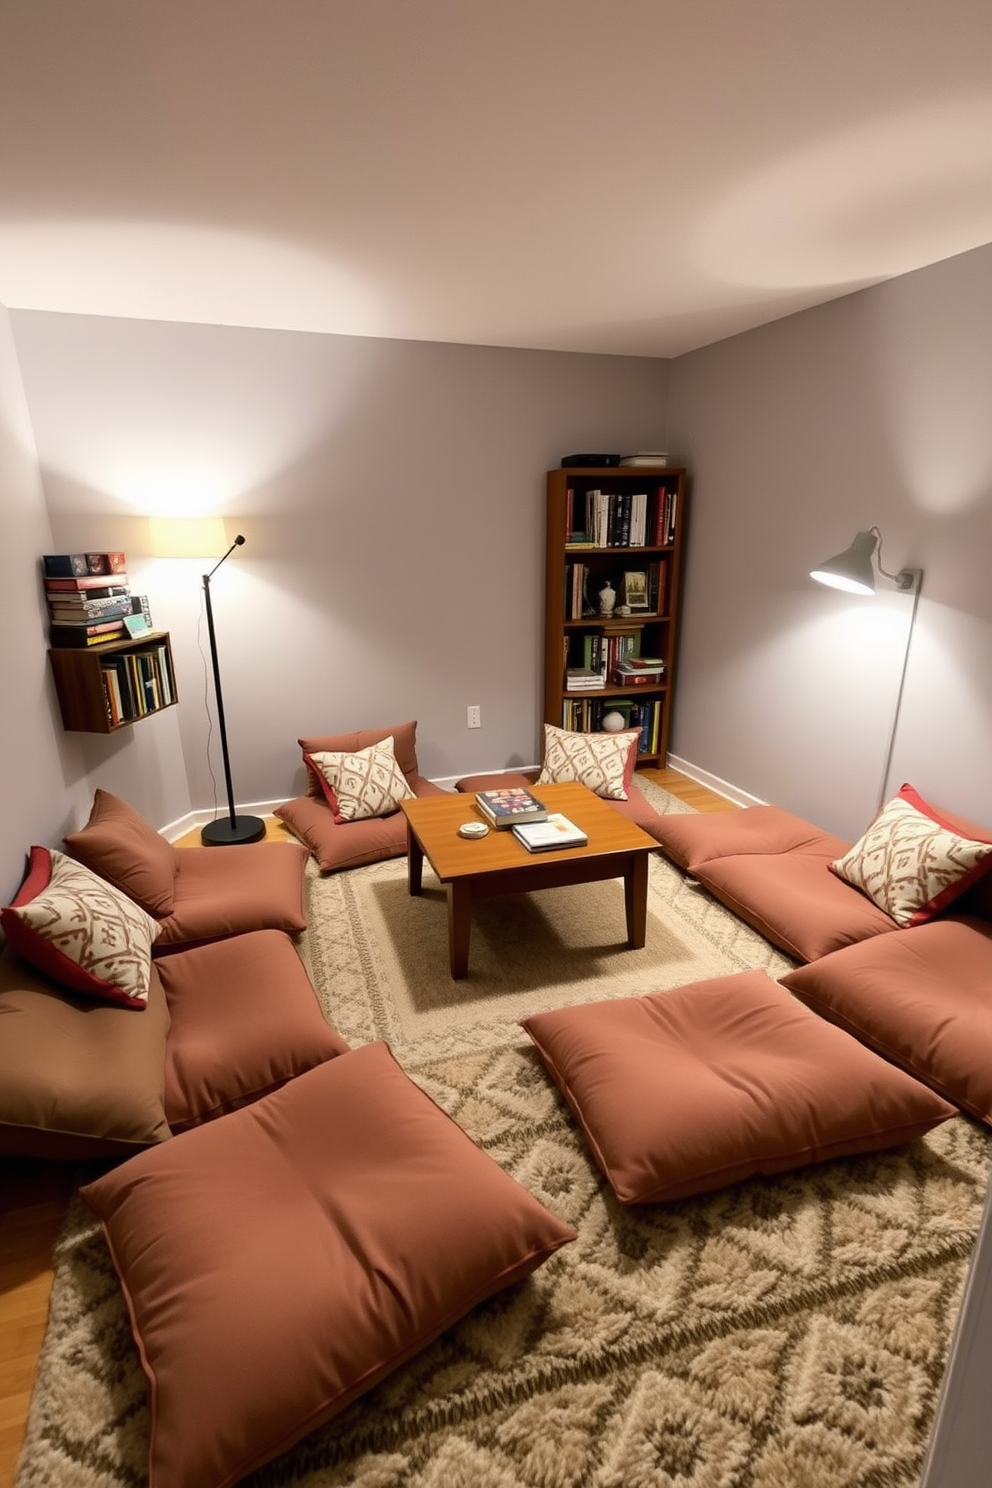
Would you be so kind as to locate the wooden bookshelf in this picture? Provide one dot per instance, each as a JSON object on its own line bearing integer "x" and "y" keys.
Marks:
{"x": 618, "y": 542}
{"x": 90, "y": 700}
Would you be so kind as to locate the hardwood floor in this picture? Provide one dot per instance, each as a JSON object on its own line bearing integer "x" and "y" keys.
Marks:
{"x": 33, "y": 1199}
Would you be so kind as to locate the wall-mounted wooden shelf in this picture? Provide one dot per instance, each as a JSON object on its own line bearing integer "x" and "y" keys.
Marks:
{"x": 108, "y": 687}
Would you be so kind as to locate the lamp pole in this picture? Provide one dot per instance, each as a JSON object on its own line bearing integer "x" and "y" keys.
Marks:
{"x": 236, "y": 830}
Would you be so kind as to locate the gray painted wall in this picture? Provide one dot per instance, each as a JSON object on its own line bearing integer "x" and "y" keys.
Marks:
{"x": 872, "y": 409}
{"x": 392, "y": 495}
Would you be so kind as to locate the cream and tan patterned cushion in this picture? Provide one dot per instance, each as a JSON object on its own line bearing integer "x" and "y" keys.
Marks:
{"x": 601, "y": 762}
{"x": 365, "y": 784}
{"x": 910, "y": 862}
{"x": 80, "y": 930}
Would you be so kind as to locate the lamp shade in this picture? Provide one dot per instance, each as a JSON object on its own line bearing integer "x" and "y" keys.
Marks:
{"x": 851, "y": 570}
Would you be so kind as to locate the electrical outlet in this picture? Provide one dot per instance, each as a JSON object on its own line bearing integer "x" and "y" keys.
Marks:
{"x": 474, "y": 716}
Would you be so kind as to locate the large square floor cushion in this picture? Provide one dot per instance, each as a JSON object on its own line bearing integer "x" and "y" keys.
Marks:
{"x": 637, "y": 808}
{"x": 279, "y": 1262}
{"x": 793, "y": 900}
{"x": 922, "y": 997}
{"x": 78, "y": 1078}
{"x": 703, "y": 836}
{"x": 231, "y": 890}
{"x": 688, "y": 1090}
{"x": 119, "y": 845}
{"x": 245, "y": 1019}
{"x": 339, "y": 845}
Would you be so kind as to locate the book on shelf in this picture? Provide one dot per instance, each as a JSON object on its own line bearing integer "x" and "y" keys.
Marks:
{"x": 83, "y": 633}
{"x": 92, "y": 586}
{"x": 583, "y": 679}
{"x": 628, "y": 675}
{"x": 645, "y": 457}
{"x": 506, "y": 808}
{"x": 547, "y": 836}
{"x": 78, "y": 565}
{"x": 91, "y": 610}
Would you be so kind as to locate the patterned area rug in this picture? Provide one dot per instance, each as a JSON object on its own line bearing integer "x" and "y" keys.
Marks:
{"x": 779, "y": 1333}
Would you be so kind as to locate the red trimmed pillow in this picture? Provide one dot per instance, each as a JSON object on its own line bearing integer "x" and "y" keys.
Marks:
{"x": 404, "y": 736}
{"x": 362, "y": 784}
{"x": 913, "y": 861}
{"x": 81, "y": 931}
{"x": 604, "y": 763}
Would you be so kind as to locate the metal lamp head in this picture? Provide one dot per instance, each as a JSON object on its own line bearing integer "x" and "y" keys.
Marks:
{"x": 851, "y": 570}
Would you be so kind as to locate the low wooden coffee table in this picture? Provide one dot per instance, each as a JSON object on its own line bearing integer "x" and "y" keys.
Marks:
{"x": 479, "y": 868}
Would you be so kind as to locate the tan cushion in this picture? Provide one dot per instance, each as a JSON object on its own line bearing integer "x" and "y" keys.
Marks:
{"x": 79, "y": 929}
{"x": 123, "y": 848}
{"x": 603, "y": 763}
{"x": 792, "y": 900}
{"x": 245, "y": 1019}
{"x": 364, "y": 783}
{"x": 404, "y": 736}
{"x": 78, "y": 1079}
{"x": 921, "y": 997}
{"x": 911, "y": 862}
{"x": 231, "y": 890}
{"x": 699, "y": 837}
{"x": 684, "y": 1091}
{"x": 281, "y": 1261}
{"x": 337, "y": 846}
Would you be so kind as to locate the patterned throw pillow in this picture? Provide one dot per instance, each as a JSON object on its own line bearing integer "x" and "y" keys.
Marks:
{"x": 81, "y": 931}
{"x": 910, "y": 862}
{"x": 366, "y": 783}
{"x": 602, "y": 762}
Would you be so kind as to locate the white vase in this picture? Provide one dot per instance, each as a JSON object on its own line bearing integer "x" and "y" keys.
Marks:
{"x": 607, "y": 598}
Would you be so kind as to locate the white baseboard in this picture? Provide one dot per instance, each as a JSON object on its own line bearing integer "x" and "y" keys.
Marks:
{"x": 714, "y": 783}
{"x": 194, "y": 819}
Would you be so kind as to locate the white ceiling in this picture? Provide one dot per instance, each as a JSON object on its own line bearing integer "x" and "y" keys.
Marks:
{"x": 629, "y": 176}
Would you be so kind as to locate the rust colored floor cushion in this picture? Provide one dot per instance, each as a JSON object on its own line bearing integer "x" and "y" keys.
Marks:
{"x": 922, "y": 997}
{"x": 700, "y": 837}
{"x": 684, "y": 1091}
{"x": 79, "y": 1078}
{"x": 337, "y": 845}
{"x": 278, "y": 1262}
{"x": 195, "y": 893}
{"x": 637, "y": 808}
{"x": 245, "y": 1019}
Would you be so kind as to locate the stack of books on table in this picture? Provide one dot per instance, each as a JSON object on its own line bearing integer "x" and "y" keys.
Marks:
{"x": 639, "y": 671}
{"x": 507, "y": 808}
{"x": 548, "y": 836}
{"x": 89, "y": 598}
{"x": 583, "y": 679}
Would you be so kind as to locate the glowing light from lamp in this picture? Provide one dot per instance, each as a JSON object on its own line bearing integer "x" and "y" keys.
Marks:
{"x": 186, "y": 537}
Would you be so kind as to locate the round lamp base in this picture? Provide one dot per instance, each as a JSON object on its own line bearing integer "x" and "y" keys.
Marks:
{"x": 221, "y": 833}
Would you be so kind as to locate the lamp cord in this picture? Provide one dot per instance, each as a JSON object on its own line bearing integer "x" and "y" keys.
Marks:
{"x": 907, "y": 577}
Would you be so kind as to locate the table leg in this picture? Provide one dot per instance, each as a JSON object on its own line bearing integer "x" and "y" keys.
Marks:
{"x": 414, "y": 862}
{"x": 635, "y": 893}
{"x": 459, "y": 927}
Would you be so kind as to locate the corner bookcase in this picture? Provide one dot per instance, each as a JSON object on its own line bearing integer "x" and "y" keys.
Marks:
{"x": 108, "y": 687}
{"x": 607, "y": 524}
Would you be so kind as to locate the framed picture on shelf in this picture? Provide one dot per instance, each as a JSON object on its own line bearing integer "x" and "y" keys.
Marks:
{"x": 635, "y": 590}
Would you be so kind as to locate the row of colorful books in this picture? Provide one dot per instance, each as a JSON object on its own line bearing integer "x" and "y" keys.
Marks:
{"x": 585, "y": 716}
{"x": 90, "y": 601}
{"x": 620, "y": 519}
{"x": 137, "y": 682}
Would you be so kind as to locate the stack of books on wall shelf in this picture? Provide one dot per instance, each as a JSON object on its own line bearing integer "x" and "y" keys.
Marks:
{"x": 88, "y": 596}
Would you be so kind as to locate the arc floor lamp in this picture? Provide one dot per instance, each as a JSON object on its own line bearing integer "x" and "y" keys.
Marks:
{"x": 234, "y": 829}
{"x": 853, "y": 571}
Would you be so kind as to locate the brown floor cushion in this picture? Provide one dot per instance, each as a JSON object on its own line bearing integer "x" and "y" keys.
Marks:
{"x": 340, "y": 845}
{"x": 687, "y": 1090}
{"x": 699, "y": 838}
{"x": 245, "y": 1019}
{"x": 280, "y": 1261}
{"x": 78, "y": 1078}
{"x": 231, "y": 890}
{"x": 921, "y": 997}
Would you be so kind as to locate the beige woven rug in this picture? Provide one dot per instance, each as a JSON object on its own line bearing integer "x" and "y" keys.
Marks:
{"x": 787, "y": 1333}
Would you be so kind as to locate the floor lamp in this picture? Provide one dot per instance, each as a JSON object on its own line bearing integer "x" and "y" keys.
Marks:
{"x": 853, "y": 571}
{"x": 236, "y": 829}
